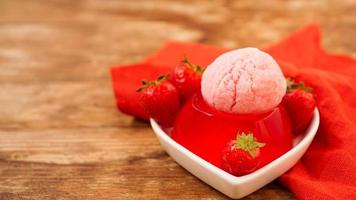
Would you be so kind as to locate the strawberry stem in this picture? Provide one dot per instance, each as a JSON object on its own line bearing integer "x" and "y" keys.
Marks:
{"x": 292, "y": 85}
{"x": 146, "y": 84}
{"x": 196, "y": 68}
{"x": 247, "y": 142}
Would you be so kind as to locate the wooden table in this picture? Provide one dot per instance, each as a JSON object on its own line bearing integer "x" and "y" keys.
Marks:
{"x": 61, "y": 136}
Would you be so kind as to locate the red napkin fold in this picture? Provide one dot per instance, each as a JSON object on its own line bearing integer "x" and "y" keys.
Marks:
{"x": 328, "y": 169}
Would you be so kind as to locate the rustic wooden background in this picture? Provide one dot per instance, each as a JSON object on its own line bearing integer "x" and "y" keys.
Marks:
{"x": 61, "y": 136}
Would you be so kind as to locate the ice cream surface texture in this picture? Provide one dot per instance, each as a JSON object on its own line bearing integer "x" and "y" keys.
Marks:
{"x": 243, "y": 81}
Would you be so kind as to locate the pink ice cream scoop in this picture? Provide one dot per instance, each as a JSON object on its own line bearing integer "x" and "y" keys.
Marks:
{"x": 243, "y": 81}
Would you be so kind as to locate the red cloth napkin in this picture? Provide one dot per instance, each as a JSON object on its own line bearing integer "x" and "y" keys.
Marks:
{"x": 328, "y": 169}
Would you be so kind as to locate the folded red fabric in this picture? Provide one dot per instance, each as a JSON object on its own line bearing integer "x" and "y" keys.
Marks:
{"x": 327, "y": 170}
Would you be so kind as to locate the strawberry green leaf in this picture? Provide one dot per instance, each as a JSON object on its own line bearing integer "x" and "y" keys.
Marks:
{"x": 247, "y": 142}
{"x": 292, "y": 85}
{"x": 146, "y": 84}
{"x": 161, "y": 78}
{"x": 197, "y": 68}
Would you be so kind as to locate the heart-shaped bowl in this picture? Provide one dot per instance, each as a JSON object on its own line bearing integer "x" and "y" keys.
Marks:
{"x": 233, "y": 186}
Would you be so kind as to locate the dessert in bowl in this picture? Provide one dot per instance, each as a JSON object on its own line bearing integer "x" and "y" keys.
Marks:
{"x": 239, "y": 115}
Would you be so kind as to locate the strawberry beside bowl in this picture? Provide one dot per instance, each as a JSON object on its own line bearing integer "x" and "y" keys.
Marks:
{"x": 233, "y": 186}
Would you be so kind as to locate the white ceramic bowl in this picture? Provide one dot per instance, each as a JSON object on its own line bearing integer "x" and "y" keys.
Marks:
{"x": 233, "y": 186}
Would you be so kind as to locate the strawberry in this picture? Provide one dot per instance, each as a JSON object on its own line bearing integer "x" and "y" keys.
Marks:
{"x": 242, "y": 156}
{"x": 160, "y": 99}
{"x": 187, "y": 77}
{"x": 300, "y": 104}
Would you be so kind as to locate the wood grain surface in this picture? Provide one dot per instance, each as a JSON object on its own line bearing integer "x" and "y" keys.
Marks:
{"x": 61, "y": 136}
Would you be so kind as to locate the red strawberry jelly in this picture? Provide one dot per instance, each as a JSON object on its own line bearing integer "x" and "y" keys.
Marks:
{"x": 205, "y": 131}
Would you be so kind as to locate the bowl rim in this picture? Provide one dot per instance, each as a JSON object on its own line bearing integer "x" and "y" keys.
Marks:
{"x": 308, "y": 137}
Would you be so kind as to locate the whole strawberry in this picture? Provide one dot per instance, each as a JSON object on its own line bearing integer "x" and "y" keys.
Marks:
{"x": 187, "y": 77}
{"x": 242, "y": 156}
{"x": 160, "y": 99}
{"x": 300, "y": 105}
